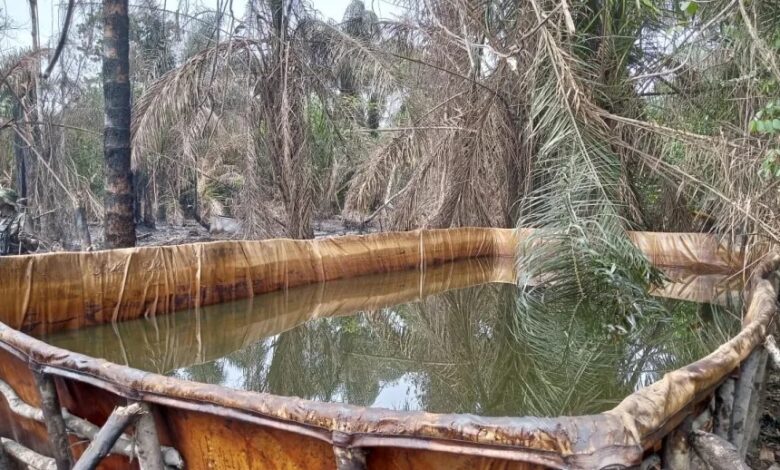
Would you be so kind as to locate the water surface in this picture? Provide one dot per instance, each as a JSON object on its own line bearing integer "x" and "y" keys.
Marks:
{"x": 457, "y": 338}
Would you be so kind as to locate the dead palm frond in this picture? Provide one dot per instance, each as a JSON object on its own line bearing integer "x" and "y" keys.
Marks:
{"x": 181, "y": 94}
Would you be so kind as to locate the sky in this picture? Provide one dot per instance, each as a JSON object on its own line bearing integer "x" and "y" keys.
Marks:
{"x": 52, "y": 12}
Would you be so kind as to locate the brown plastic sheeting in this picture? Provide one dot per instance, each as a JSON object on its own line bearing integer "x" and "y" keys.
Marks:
{"x": 64, "y": 291}
{"x": 57, "y": 291}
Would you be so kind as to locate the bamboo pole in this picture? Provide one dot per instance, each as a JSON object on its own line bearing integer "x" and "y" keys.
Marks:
{"x": 55, "y": 423}
{"x": 107, "y": 436}
{"x": 716, "y": 452}
{"x": 149, "y": 452}
{"x": 724, "y": 404}
{"x": 29, "y": 458}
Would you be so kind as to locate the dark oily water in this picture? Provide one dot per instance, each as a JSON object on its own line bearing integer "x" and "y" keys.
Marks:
{"x": 452, "y": 339}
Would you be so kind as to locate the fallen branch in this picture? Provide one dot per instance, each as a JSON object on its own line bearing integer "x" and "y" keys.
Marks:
{"x": 716, "y": 452}
{"x": 774, "y": 352}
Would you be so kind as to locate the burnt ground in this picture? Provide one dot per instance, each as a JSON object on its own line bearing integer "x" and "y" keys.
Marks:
{"x": 192, "y": 232}
{"x": 765, "y": 453}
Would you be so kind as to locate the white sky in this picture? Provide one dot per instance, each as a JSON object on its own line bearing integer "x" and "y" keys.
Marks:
{"x": 52, "y": 12}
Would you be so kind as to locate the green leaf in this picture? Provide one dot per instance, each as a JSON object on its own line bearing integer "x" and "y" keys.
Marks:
{"x": 689, "y": 7}
{"x": 776, "y": 124}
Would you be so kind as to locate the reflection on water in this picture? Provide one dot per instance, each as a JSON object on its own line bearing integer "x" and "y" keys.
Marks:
{"x": 452, "y": 339}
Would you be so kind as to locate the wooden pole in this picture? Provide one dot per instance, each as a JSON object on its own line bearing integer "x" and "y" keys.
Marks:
{"x": 149, "y": 452}
{"x": 774, "y": 352}
{"x": 55, "y": 424}
{"x": 653, "y": 462}
{"x": 82, "y": 428}
{"x": 29, "y": 458}
{"x": 107, "y": 436}
{"x": 5, "y": 460}
{"x": 704, "y": 420}
{"x": 716, "y": 452}
{"x": 724, "y": 404}
{"x": 82, "y": 228}
{"x": 123, "y": 446}
{"x": 744, "y": 396}
{"x": 348, "y": 458}
{"x": 756, "y": 398}
{"x": 676, "y": 450}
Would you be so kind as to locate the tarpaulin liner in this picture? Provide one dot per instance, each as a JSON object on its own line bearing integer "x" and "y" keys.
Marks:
{"x": 219, "y": 428}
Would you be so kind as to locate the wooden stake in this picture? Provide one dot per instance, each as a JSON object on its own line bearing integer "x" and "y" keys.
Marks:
{"x": 724, "y": 404}
{"x": 55, "y": 424}
{"x": 82, "y": 428}
{"x": 29, "y": 458}
{"x": 123, "y": 446}
{"x": 752, "y": 424}
{"x": 107, "y": 436}
{"x": 348, "y": 458}
{"x": 149, "y": 452}
{"x": 5, "y": 460}
{"x": 676, "y": 450}
{"x": 774, "y": 352}
{"x": 716, "y": 452}
{"x": 704, "y": 420}
{"x": 18, "y": 406}
{"x": 82, "y": 229}
{"x": 739, "y": 433}
{"x": 653, "y": 462}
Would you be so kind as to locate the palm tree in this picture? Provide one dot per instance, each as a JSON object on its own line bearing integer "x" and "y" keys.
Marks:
{"x": 119, "y": 199}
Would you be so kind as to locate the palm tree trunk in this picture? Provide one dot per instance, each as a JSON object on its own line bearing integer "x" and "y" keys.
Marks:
{"x": 119, "y": 222}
